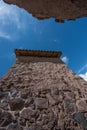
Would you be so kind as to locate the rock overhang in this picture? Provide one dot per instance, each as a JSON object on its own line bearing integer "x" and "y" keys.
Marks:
{"x": 61, "y": 10}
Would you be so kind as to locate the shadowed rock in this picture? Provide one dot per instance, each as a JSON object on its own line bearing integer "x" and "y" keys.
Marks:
{"x": 61, "y": 10}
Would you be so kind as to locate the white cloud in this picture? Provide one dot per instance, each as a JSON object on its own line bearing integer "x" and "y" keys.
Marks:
{"x": 83, "y": 68}
{"x": 65, "y": 59}
{"x": 84, "y": 76}
{"x": 4, "y": 35}
{"x": 10, "y": 13}
{"x": 83, "y": 72}
{"x": 12, "y": 22}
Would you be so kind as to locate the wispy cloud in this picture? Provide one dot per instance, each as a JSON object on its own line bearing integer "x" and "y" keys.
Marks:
{"x": 65, "y": 59}
{"x": 83, "y": 68}
{"x": 4, "y": 35}
{"x": 83, "y": 72}
{"x": 12, "y": 21}
{"x": 10, "y": 13}
{"x": 84, "y": 76}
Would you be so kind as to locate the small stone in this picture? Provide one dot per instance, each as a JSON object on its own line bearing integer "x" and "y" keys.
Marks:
{"x": 61, "y": 115}
{"x": 22, "y": 121}
{"x": 37, "y": 93}
{"x": 57, "y": 128}
{"x": 69, "y": 95}
{"x": 82, "y": 105}
{"x": 16, "y": 113}
{"x": 69, "y": 105}
{"x": 41, "y": 103}
{"x": 28, "y": 114}
{"x": 13, "y": 92}
{"x": 51, "y": 125}
{"x": 1, "y": 94}
{"x": 17, "y": 104}
{"x": 51, "y": 100}
{"x": 54, "y": 91}
{"x": 5, "y": 118}
{"x": 25, "y": 94}
{"x": 26, "y": 129}
{"x": 45, "y": 91}
{"x": 36, "y": 127}
{"x": 6, "y": 98}
{"x": 28, "y": 102}
{"x": 14, "y": 126}
{"x": 79, "y": 117}
{"x": 2, "y": 128}
{"x": 4, "y": 105}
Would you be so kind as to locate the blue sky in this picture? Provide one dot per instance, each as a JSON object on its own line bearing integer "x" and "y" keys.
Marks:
{"x": 18, "y": 29}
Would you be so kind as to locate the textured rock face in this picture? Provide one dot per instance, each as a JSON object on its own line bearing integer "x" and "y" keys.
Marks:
{"x": 59, "y": 9}
{"x": 42, "y": 94}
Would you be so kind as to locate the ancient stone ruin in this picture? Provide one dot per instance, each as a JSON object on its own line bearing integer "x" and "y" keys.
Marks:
{"x": 40, "y": 92}
{"x": 61, "y": 10}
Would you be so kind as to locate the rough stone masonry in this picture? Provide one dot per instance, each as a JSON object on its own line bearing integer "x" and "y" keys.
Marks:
{"x": 40, "y": 92}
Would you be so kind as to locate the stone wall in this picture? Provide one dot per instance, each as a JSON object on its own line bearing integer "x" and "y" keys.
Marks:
{"x": 42, "y": 94}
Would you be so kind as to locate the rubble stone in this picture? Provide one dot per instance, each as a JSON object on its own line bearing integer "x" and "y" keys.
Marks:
{"x": 82, "y": 105}
{"x": 5, "y": 119}
{"x": 41, "y": 103}
{"x": 53, "y": 98}
{"x": 16, "y": 104}
{"x": 15, "y": 126}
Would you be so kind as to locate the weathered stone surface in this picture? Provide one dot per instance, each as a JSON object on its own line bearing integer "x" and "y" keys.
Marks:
{"x": 82, "y": 105}
{"x": 51, "y": 100}
{"x": 16, "y": 104}
{"x": 69, "y": 106}
{"x": 41, "y": 103}
{"x": 13, "y": 92}
{"x": 2, "y": 94}
{"x": 79, "y": 117}
{"x": 15, "y": 126}
{"x": 54, "y": 91}
{"x": 1, "y": 128}
{"x": 59, "y": 9}
{"x": 41, "y": 93}
{"x": 36, "y": 127}
{"x": 25, "y": 93}
{"x": 4, "y": 105}
{"x": 28, "y": 102}
{"x": 5, "y": 118}
{"x": 28, "y": 114}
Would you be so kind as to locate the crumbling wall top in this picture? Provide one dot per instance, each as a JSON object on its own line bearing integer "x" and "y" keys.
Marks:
{"x": 36, "y": 53}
